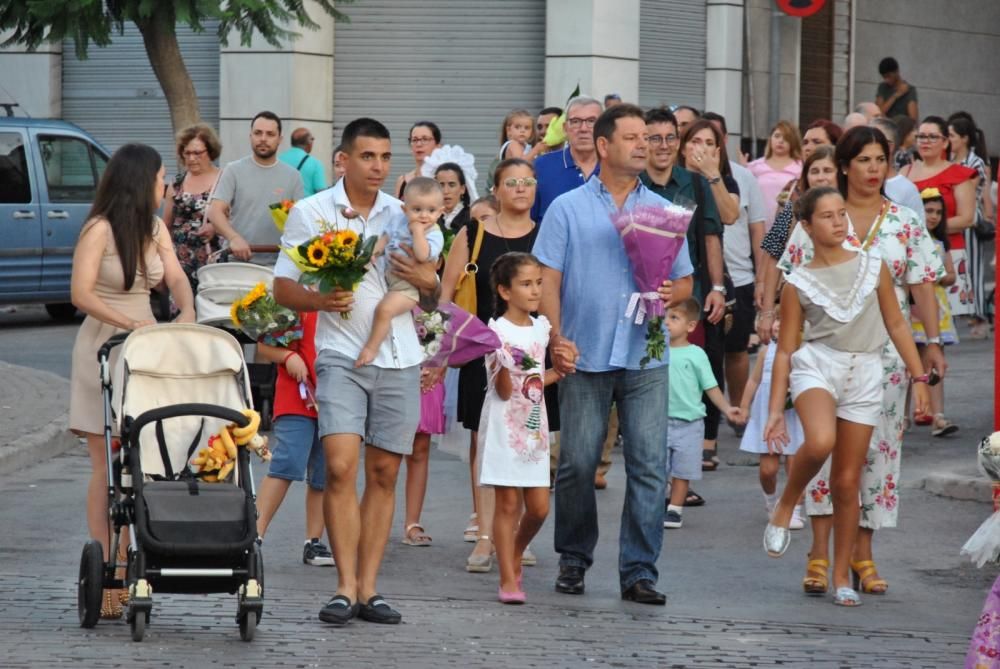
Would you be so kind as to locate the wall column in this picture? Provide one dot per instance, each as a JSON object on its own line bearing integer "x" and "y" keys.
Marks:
{"x": 724, "y": 66}
{"x": 32, "y": 79}
{"x": 594, "y": 43}
{"x": 294, "y": 80}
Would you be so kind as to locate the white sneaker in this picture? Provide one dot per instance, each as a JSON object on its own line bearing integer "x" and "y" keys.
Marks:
{"x": 797, "y": 522}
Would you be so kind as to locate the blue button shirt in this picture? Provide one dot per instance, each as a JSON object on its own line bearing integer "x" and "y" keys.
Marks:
{"x": 578, "y": 238}
{"x": 557, "y": 174}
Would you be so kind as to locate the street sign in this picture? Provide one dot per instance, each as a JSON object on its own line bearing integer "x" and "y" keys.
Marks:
{"x": 800, "y": 8}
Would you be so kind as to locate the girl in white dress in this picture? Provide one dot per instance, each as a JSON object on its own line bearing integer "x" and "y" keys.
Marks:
{"x": 758, "y": 391}
{"x": 848, "y": 300}
{"x": 513, "y": 429}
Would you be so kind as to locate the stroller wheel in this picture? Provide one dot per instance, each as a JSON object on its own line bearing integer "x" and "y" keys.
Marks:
{"x": 248, "y": 625}
{"x": 90, "y": 585}
{"x": 138, "y": 624}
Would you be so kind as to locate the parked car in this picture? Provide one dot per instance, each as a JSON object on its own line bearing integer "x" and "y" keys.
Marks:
{"x": 49, "y": 172}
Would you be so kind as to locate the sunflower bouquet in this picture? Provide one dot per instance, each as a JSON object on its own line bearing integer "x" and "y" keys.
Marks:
{"x": 279, "y": 213}
{"x": 264, "y": 320}
{"x": 333, "y": 259}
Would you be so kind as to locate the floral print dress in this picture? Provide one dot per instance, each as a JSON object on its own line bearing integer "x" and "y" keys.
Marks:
{"x": 912, "y": 258}
{"x": 192, "y": 250}
{"x": 514, "y": 434}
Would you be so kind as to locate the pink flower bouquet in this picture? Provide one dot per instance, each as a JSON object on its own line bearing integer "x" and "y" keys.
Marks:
{"x": 451, "y": 336}
{"x": 652, "y": 236}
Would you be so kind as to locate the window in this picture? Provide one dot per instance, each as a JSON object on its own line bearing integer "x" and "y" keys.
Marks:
{"x": 69, "y": 169}
{"x": 15, "y": 184}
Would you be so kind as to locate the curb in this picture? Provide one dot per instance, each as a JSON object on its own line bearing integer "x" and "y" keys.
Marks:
{"x": 46, "y": 442}
{"x": 956, "y": 486}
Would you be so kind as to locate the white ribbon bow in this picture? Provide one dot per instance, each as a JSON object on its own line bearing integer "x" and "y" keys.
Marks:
{"x": 637, "y": 305}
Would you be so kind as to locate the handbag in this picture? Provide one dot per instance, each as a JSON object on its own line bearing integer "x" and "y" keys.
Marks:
{"x": 985, "y": 229}
{"x": 465, "y": 291}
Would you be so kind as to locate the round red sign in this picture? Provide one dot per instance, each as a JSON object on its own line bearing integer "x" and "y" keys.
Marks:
{"x": 800, "y": 8}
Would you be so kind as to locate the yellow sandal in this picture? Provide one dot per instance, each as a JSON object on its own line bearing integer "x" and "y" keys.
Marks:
{"x": 866, "y": 578}
{"x": 817, "y": 579}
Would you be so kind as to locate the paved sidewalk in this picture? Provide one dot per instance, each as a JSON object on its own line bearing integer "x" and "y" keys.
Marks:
{"x": 34, "y": 409}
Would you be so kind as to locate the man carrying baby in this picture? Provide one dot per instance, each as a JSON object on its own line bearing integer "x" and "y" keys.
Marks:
{"x": 377, "y": 405}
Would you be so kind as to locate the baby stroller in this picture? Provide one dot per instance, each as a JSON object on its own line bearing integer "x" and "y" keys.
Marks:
{"x": 174, "y": 386}
{"x": 218, "y": 286}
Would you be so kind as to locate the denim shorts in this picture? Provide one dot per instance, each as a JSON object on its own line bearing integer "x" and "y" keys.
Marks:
{"x": 382, "y": 406}
{"x": 298, "y": 452}
{"x": 684, "y": 440}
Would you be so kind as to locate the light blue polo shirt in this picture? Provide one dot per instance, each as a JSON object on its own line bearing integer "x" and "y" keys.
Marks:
{"x": 578, "y": 238}
{"x": 313, "y": 174}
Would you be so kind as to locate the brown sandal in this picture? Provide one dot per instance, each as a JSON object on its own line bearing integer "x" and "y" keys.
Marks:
{"x": 817, "y": 579}
{"x": 111, "y": 607}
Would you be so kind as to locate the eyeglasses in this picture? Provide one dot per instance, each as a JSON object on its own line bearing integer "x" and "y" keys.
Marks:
{"x": 929, "y": 138}
{"x": 194, "y": 154}
{"x": 523, "y": 181}
{"x": 581, "y": 122}
{"x": 421, "y": 140}
{"x": 656, "y": 140}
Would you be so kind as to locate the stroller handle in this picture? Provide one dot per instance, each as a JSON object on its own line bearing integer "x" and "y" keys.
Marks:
{"x": 178, "y": 410}
{"x": 105, "y": 350}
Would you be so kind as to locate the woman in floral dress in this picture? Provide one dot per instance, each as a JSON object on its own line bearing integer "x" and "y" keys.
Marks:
{"x": 897, "y": 234}
{"x": 187, "y": 198}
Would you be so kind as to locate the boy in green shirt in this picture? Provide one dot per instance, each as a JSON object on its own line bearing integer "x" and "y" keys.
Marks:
{"x": 690, "y": 376}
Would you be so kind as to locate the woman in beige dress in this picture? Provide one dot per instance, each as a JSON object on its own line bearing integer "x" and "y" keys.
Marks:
{"x": 124, "y": 249}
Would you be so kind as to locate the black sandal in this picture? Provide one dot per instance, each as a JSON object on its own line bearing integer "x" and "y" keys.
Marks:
{"x": 694, "y": 499}
{"x": 377, "y": 610}
{"x": 338, "y": 611}
{"x": 709, "y": 462}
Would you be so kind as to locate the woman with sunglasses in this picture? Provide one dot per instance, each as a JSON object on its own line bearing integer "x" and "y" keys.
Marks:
{"x": 425, "y": 136}
{"x": 511, "y": 229}
{"x": 957, "y": 185}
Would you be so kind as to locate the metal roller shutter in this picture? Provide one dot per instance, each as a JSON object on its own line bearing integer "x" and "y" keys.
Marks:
{"x": 672, "y": 52}
{"x": 462, "y": 64}
{"x": 115, "y": 96}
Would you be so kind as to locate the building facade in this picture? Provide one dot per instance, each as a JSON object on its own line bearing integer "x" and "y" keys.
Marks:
{"x": 465, "y": 63}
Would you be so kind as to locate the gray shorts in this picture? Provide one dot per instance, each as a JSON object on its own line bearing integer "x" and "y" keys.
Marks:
{"x": 382, "y": 406}
{"x": 684, "y": 441}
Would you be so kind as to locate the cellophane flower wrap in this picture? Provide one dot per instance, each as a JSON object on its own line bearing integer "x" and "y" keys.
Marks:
{"x": 338, "y": 257}
{"x": 279, "y": 213}
{"x": 451, "y": 336}
{"x": 652, "y": 237}
{"x": 984, "y": 545}
{"x": 264, "y": 320}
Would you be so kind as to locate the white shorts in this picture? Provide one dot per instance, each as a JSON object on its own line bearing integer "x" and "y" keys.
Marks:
{"x": 853, "y": 379}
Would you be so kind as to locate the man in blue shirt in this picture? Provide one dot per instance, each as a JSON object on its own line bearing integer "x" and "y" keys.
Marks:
{"x": 587, "y": 285}
{"x": 298, "y": 157}
{"x": 559, "y": 172}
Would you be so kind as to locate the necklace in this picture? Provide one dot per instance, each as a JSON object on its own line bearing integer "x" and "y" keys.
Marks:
{"x": 503, "y": 234}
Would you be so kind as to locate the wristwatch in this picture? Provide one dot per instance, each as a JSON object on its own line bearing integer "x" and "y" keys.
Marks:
{"x": 934, "y": 340}
{"x": 714, "y": 180}
{"x": 720, "y": 289}
{"x": 923, "y": 378}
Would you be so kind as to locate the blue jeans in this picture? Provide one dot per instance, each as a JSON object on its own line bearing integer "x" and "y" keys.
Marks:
{"x": 584, "y": 404}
